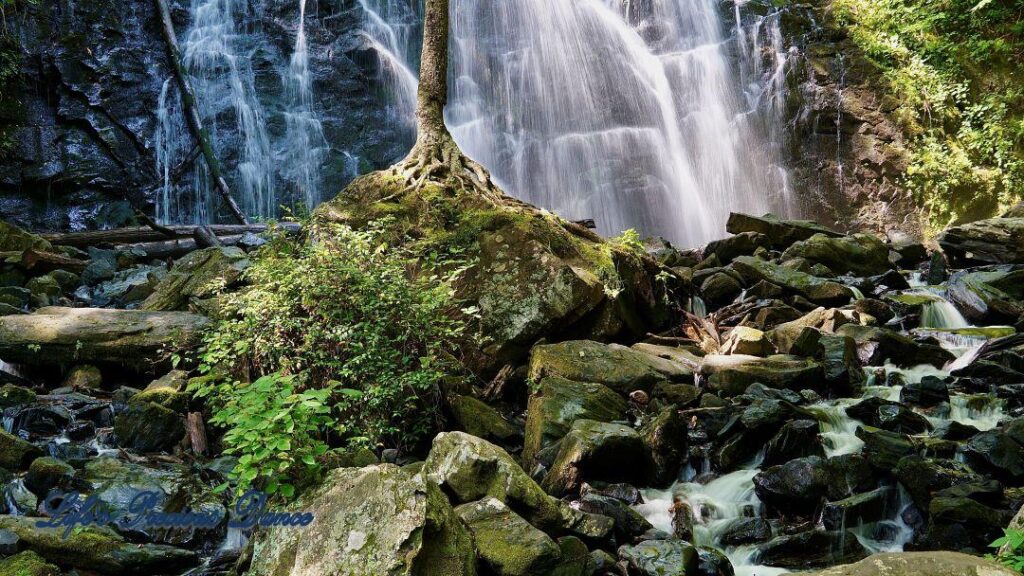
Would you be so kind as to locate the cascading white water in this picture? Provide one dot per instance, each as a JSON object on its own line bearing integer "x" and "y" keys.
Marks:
{"x": 390, "y": 30}
{"x": 304, "y": 146}
{"x": 941, "y": 313}
{"x": 222, "y": 77}
{"x": 626, "y": 112}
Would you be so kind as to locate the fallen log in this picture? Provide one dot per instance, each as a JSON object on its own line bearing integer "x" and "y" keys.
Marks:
{"x": 193, "y": 120}
{"x": 137, "y": 234}
{"x": 133, "y": 339}
{"x": 40, "y": 261}
{"x": 177, "y": 248}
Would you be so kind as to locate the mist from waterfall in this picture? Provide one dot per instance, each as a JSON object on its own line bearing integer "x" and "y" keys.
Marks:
{"x": 304, "y": 145}
{"x": 631, "y": 113}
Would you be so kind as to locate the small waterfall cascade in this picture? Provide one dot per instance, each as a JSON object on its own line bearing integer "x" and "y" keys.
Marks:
{"x": 941, "y": 313}
{"x": 218, "y": 58}
{"x": 305, "y": 147}
{"x": 392, "y": 31}
{"x": 631, "y": 113}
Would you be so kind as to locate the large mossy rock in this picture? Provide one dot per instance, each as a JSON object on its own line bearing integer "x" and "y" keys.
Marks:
{"x": 477, "y": 418}
{"x": 811, "y": 549}
{"x": 469, "y": 468}
{"x": 919, "y": 564}
{"x": 14, "y": 239}
{"x": 859, "y": 254}
{"x": 796, "y": 487}
{"x": 991, "y": 294}
{"x": 875, "y": 346}
{"x": 96, "y": 549}
{"x": 506, "y": 543}
{"x": 598, "y": 451}
{"x": 557, "y": 404}
{"x": 817, "y": 290}
{"x": 731, "y": 375}
{"x": 780, "y": 233}
{"x": 131, "y": 338}
{"x": 620, "y": 368}
{"x": 27, "y": 563}
{"x": 201, "y": 274}
{"x": 992, "y": 241}
{"x": 533, "y": 275}
{"x": 149, "y": 427}
{"x": 370, "y": 521}
{"x": 16, "y": 453}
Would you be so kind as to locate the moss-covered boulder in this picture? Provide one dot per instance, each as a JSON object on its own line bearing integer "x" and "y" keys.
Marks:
{"x": 557, "y": 404}
{"x": 167, "y": 391}
{"x": 666, "y": 437}
{"x": 84, "y": 377}
{"x": 148, "y": 427}
{"x": 130, "y": 338}
{"x": 506, "y": 543}
{"x": 815, "y": 289}
{"x": 27, "y": 563}
{"x": 742, "y": 244}
{"x": 875, "y": 346}
{"x": 858, "y": 254}
{"x": 811, "y": 549}
{"x": 620, "y": 368}
{"x": 200, "y": 274}
{"x": 469, "y": 468}
{"x": 780, "y": 233}
{"x": 532, "y": 275}
{"x": 14, "y": 395}
{"x": 992, "y": 241}
{"x": 45, "y": 291}
{"x": 919, "y": 564}
{"x": 46, "y": 473}
{"x": 14, "y": 239}
{"x": 478, "y": 419}
{"x": 16, "y": 453}
{"x": 731, "y": 375}
{"x": 369, "y": 521}
{"x": 661, "y": 558}
{"x": 97, "y": 549}
{"x": 989, "y": 295}
{"x": 598, "y": 451}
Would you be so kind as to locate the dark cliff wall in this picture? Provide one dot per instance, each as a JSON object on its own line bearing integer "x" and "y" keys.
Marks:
{"x": 79, "y": 119}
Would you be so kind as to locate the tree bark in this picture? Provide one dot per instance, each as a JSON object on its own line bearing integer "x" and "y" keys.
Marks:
{"x": 192, "y": 118}
{"x": 436, "y": 157}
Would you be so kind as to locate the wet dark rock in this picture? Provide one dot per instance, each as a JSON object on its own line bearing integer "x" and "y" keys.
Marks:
{"x": 12, "y": 395}
{"x": 811, "y": 549}
{"x": 629, "y": 523}
{"x": 41, "y": 420}
{"x": 559, "y": 402}
{"x": 863, "y": 508}
{"x": 45, "y": 474}
{"x": 888, "y": 415}
{"x": 796, "y": 439}
{"x": 681, "y": 395}
{"x": 884, "y": 449}
{"x": 989, "y": 295}
{"x": 992, "y": 241}
{"x": 713, "y": 562}
{"x": 719, "y": 289}
{"x": 598, "y": 451}
{"x": 953, "y": 430}
{"x": 664, "y": 558}
{"x": 506, "y": 543}
{"x": 681, "y": 514}
{"x": 747, "y": 340}
{"x": 937, "y": 269}
{"x": 840, "y": 363}
{"x": 930, "y": 391}
{"x": 747, "y": 531}
{"x": 849, "y": 474}
{"x": 742, "y": 244}
{"x": 779, "y": 232}
{"x": 15, "y": 453}
{"x": 875, "y": 308}
{"x": 149, "y": 427}
{"x": 861, "y": 254}
{"x": 626, "y": 493}
{"x": 922, "y": 477}
{"x": 477, "y": 418}
{"x": 963, "y": 524}
{"x": 876, "y": 345}
{"x": 818, "y": 290}
{"x": 665, "y": 436}
{"x": 731, "y": 375}
{"x": 997, "y": 453}
{"x": 794, "y": 488}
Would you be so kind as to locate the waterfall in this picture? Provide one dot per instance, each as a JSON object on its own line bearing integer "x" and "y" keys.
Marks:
{"x": 391, "y": 31}
{"x": 634, "y": 114}
{"x": 304, "y": 146}
{"x": 941, "y": 313}
{"x": 218, "y": 59}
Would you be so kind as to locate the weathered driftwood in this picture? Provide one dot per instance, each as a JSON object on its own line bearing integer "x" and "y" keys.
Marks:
{"x": 192, "y": 118}
{"x": 196, "y": 432}
{"x": 130, "y": 338}
{"x": 137, "y": 234}
{"x": 178, "y": 247}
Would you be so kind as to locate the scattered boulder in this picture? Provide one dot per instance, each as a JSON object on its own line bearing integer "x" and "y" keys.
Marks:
{"x": 13, "y": 395}
{"x": 884, "y": 449}
{"x": 27, "y": 563}
{"x": 929, "y": 392}
{"x": 84, "y": 377}
{"x": 859, "y": 254}
{"x": 598, "y": 451}
{"x": 505, "y": 543}
{"x": 923, "y": 477}
{"x": 796, "y": 487}
{"x": 918, "y": 564}
{"x": 719, "y": 289}
{"x": 741, "y": 244}
{"x": 747, "y": 531}
{"x": 964, "y": 524}
{"x": 379, "y": 519}
{"x": 780, "y": 233}
{"x": 796, "y": 439}
{"x": 557, "y": 404}
{"x": 620, "y": 368}
{"x": 888, "y": 415}
{"x": 748, "y": 341}
{"x": 131, "y": 338}
{"x": 863, "y": 508}
{"x": 14, "y": 239}
{"x": 989, "y": 295}
{"x": 731, "y": 375}
{"x": 629, "y": 524}
{"x": 811, "y": 549}
{"x": 198, "y": 275}
{"x": 661, "y": 558}
{"x": 992, "y": 241}
{"x": 477, "y": 418}
{"x": 998, "y": 453}
{"x": 15, "y": 453}
{"x": 666, "y": 438}
{"x": 45, "y": 474}
{"x": 149, "y": 427}
{"x": 876, "y": 345}
{"x": 817, "y": 290}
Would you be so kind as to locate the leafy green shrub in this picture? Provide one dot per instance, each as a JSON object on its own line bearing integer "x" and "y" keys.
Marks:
{"x": 340, "y": 341}
{"x": 1013, "y": 539}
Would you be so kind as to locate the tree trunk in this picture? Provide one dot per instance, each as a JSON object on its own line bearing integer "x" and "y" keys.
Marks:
{"x": 436, "y": 157}
{"x": 195, "y": 123}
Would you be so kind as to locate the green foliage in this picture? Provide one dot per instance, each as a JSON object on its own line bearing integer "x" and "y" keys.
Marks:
{"x": 1013, "y": 539}
{"x": 347, "y": 338}
{"x": 954, "y": 68}
{"x": 630, "y": 240}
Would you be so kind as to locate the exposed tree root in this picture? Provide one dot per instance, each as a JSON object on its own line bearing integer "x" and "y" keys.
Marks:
{"x": 439, "y": 160}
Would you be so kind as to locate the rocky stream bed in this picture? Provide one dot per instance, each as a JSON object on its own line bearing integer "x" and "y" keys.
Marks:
{"x": 826, "y": 397}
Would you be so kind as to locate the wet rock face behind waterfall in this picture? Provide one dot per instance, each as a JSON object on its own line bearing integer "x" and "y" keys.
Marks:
{"x": 88, "y": 97}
